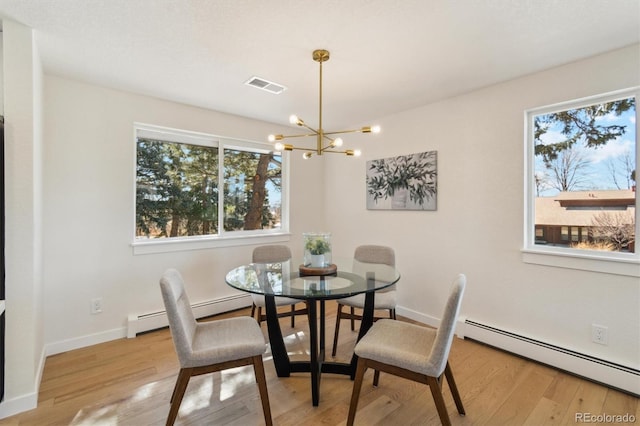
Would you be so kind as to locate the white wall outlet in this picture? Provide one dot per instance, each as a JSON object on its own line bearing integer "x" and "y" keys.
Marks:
{"x": 96, "y": 305}
{"x": 599, "y": 334}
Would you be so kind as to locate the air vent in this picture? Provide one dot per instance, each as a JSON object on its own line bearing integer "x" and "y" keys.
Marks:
{"x": 269, "y": 86}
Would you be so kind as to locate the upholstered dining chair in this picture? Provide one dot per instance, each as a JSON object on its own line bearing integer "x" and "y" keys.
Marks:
{"x": 274, "y": 253}
{"x": 384, "y": 299}
{"x": 210, "y": 346}
{"x": 412, "y": 352}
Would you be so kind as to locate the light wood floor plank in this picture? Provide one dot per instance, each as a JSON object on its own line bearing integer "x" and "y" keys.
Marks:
{"x": 130, "y": 381}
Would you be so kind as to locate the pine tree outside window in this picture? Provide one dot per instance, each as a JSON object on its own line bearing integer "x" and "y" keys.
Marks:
{"x": 192, "y": 186}
{"x": 581, "y": 201}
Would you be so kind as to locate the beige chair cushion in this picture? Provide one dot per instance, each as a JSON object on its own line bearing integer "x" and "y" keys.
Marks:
{"x": 411, "y": 346}
{"x": 224, "y": 340}
{"x": 375, "y": 254}
{"x": 272, "y": 253}
{"x": 386, "y": 298}
{"x": 205, "y": 343}
{"x": 398, "y": 343}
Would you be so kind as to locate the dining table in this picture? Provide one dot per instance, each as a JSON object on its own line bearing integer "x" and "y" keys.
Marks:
{"x": 344, "y": 278}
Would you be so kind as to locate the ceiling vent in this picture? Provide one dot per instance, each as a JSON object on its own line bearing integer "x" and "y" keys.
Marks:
{"x": 269, "y": 86}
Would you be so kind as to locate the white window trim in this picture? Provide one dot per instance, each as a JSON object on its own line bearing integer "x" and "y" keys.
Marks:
{"x": 627, "y": 264}
{"x": 207, "y": 242}
{"x": 223, "y": 238}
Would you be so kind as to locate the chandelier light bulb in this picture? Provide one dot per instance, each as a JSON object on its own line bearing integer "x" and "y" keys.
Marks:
{"x": 357, "y": 153}
{"x": 307, "y": 155}
{"x": 375, "y": 129}
{"x": 272, "y": 138}
{"x": 337, "y": 142}
{"x": 293, "y": 119}
{"x": 279, "y": 146}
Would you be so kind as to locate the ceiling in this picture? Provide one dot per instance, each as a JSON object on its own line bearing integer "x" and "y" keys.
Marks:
{"x": 387, "y": 56}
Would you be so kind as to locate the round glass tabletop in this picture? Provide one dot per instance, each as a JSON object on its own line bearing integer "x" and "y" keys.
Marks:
{"x": 284, "y": 279}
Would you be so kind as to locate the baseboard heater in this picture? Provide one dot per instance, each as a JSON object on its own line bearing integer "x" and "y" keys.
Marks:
{"x": 154, "y": 320}
{"x": 626, "y": 379}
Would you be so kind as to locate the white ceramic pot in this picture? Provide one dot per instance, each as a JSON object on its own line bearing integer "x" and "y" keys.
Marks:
{"x": 317, "y": 261}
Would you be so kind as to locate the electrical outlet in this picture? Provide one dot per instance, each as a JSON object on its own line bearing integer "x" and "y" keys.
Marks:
{"x": 96, "y": 305}
{"x": 600, "y": 334}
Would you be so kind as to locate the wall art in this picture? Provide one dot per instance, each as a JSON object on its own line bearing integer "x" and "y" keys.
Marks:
{"x": 407, "y": 182}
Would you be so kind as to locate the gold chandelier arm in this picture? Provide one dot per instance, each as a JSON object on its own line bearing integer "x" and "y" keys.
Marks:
{"x": 343, "y": 131}
{"x": 348, "y": 152}
{"x": 295, "y": 148}
{"x": 297, "y": 136}
{"x": 281, "y": 137}
{"x": 315, "y": 132}
{"x": 365, "y": 129}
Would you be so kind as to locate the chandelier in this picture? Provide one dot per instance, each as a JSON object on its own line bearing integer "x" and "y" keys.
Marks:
{"x": 325, "y": 141}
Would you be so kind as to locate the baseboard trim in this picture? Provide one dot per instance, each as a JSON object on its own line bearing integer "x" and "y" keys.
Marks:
{"x": 613, "y": 375}
{"x": 607, "y": 373}
{"x": 84, "y": 341}
{"x": 17, "y": 405}
{"x": 28, "y": 401}
{"x": 140, "y": 323}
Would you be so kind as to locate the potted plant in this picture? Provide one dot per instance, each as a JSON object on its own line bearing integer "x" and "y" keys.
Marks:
{"x": 317, "y": 249}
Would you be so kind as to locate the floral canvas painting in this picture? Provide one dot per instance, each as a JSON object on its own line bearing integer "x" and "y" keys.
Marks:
{"x": 407, "y": 182}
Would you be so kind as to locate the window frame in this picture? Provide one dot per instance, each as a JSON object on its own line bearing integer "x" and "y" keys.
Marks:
{"x": 222, "y": 238}
{"x": 618, "y": 263}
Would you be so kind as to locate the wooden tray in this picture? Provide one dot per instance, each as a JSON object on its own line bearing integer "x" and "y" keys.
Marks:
{"x": 327, "y": 270}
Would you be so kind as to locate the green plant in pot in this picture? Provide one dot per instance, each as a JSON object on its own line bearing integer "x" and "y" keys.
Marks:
{"x": 317, "y": 250}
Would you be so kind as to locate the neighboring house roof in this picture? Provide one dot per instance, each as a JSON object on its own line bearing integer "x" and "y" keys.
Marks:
{"x": 577, "y": 208}
{"x": 628, "y": 195}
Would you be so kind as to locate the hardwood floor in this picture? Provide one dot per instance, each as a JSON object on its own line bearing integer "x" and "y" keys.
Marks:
{"x": 129, "y": 382}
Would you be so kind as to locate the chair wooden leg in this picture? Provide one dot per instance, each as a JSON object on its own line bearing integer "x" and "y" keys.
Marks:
{"x": 258, "y": 368}
{"x": 436, "y": 392}
{"x": 259, "y": 319}
{"x": 353, "y": 321}
{"x": 293, "y": 316}
{"x": 392, "y": 314}
{"x": 178, "y": 392}
{"x": 376, "y": 378}
{"x": 454, "y": 389}
{"x": 355, "y": 394}
{"x": 253, "y": 310}
{"x": 337, "y": 330}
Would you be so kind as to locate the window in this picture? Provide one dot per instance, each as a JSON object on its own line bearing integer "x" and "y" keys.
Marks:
{"x": 575, "y": 234}
{"x": 192, "y": 186}
{"x": 581, "y": 181}
{"x": 584, "y": 233}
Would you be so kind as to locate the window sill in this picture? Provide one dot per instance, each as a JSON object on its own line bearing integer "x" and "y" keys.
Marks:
{"x": 595, "y": 262}
{"x": 201, "y": 243}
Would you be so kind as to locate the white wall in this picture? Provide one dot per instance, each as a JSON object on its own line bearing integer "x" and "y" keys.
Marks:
{"x": 23, "y": 186}
{"x": 89, "y": 210}
{"x": 478, "y": 227}
{"x": 88, "y": 198}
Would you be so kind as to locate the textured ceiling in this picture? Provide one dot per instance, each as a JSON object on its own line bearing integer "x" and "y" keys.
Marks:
{"x": 386, "y": 55}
